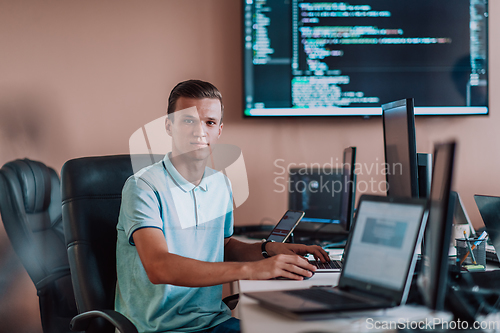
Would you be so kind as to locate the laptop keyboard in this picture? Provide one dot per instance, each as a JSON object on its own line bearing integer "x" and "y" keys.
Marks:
{"x": 325, "y": 297}
{"x": 333, "y": 264}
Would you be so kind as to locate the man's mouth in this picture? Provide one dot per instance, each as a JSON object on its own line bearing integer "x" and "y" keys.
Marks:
{"x": 200, "y": 144}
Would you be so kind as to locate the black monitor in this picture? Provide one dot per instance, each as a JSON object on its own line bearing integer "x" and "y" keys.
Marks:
{"x": 317, "y": 192}
{"x": 400, "y": 148}
{"x": 349, "y": 190}
{"x": 433, "y": 276}
{"x": 328, "y": 211}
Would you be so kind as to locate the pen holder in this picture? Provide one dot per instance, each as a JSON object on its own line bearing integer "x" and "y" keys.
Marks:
{"x": 463, "y": 248}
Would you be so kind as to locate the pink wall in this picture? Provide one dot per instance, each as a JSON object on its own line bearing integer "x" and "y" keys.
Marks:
{"x": 77, "y": 78}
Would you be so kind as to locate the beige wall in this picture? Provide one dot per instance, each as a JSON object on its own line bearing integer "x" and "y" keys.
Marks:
{"x": 77, "y": 78}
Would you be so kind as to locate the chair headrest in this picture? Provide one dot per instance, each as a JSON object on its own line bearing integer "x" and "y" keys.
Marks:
{"x": 34, "y": 179}
{"x": 99, "y": 176}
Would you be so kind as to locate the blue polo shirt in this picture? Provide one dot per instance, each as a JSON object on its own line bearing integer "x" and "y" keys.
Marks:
{"x": 195, "y": 220}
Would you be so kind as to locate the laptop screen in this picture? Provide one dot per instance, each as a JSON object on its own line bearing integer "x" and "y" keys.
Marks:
{"x": 383, "y": 243}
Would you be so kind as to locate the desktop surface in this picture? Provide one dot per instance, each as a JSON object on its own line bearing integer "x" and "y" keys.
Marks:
{"x": 255, "y": 318}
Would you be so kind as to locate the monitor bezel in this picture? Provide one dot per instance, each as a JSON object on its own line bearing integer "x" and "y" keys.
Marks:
{"x": 438, "y": 233}
{"x": 349, "y": 189}
{"x": 410, "y": 141}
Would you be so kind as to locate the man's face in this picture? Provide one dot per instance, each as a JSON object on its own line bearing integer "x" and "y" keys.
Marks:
{"x": 195, "y": 127}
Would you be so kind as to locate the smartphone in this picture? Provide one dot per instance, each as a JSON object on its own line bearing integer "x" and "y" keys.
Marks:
{"x": 285, "y": 226}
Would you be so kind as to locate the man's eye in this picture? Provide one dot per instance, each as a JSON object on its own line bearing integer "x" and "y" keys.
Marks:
{"x": 211, "y": 123}
{"x": 188, "y": 121}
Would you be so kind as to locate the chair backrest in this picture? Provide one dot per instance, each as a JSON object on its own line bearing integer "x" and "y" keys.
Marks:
{"x": 30, "y": 204}
{"x": 91, "y": 194}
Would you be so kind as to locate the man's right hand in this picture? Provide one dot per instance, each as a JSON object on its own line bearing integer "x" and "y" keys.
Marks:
{"x": 288, "y": 266}
{"x": 163, "y": 267}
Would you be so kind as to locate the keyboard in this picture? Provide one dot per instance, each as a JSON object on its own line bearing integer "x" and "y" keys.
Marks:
{"x": 333, "y": 264}
{"x": 324, "y": 296}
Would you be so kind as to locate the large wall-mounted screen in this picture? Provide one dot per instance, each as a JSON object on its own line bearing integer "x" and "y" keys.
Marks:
{"x": 327, "y": 58}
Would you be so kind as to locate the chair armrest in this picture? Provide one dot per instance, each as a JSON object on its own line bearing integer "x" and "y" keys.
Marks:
{"x": 82, "y": 321}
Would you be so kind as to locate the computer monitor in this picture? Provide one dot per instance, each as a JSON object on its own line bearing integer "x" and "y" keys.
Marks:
{"x": 433, "y": 276}
{"x": 400, "y": 148}
{"x": 424, "y": 168}
{"x": 345, "y": 58}
{"x": 349, "y": 189}
{"x": 317, "y": 192}
{"x": 327, "y": 212}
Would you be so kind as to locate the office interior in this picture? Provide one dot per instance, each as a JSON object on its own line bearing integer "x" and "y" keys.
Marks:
{"x": 79, "y": 77}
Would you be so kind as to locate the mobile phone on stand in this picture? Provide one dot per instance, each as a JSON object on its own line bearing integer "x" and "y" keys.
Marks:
{"x": 285, "y": 226}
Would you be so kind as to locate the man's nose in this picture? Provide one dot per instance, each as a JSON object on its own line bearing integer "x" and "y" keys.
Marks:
{"x": 199, "y": 130}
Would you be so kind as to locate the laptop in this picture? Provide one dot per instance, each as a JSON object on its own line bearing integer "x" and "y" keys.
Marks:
{"x": 489, "y": 208}
{"x": 379, "y": 262}
{"x": 346, "y": 208}
{"x": 328, "y": 211}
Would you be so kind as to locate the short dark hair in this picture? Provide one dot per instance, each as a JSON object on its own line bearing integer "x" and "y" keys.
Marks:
{"x": 193, "y": 89}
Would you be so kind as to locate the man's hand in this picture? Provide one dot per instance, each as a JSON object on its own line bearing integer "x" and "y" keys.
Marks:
{"x": 287, "y": 260}
{"x": 299, "y": 249}
{"x": 282, "y": 265}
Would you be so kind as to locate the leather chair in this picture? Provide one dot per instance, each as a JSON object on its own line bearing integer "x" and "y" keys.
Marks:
{"x": 30, "y": 205}
{"x": 91, "y": 194}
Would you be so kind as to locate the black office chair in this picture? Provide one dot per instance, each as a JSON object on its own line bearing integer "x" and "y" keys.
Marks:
{"x": 91, "y": 193}
{"x": 30, "y": 204}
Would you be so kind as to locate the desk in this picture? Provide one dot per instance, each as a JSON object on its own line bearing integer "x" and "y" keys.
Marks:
{"x": 255, "y": 318}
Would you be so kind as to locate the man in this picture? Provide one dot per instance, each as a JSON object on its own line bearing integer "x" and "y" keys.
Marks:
{"x": 174, "y": 246}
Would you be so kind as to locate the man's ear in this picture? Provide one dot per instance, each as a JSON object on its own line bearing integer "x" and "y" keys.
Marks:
{"x": 220, "y": 130}
{"x": 168, "y": 125}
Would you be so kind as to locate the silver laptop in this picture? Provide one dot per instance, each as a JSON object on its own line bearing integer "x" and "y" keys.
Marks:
{"x": 379, "y": 262}
{"x": 489, "y": 208}
{"x": 346, "y": 208}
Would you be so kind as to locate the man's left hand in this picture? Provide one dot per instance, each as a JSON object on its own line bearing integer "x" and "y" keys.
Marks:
{"x": 299, "y": 249}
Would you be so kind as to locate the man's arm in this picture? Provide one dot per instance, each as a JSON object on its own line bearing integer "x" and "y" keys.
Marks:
{"x": 163, "y": 267}
{"x": 235, "y": 250}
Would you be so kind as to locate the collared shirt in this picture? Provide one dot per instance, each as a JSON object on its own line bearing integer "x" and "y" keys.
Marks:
{"x": 195, "y": 220}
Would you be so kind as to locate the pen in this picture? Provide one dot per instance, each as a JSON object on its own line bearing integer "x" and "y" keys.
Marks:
{"x": 476, "y": 243}
{"x": 467, "y": 241}
{"x": 480, "y": 239}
